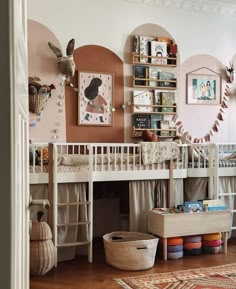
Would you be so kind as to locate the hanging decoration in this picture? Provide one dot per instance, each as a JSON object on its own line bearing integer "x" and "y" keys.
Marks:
{"x": 66, "y": 64}
{"x": 230, "y": 71}
{"x": 188, "y": 138}
{"x": 38, "y": 95}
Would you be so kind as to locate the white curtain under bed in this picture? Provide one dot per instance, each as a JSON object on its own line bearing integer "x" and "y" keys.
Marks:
{"x": 145, "y": 195}
{"x": 73, "y": 192}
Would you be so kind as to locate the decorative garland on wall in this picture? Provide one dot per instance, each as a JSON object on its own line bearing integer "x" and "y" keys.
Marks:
{"x": 188, "y": 138}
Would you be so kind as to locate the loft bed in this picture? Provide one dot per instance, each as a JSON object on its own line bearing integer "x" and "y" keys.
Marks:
{"x": 81, "y": 163}
{"x": 86, "y": 163}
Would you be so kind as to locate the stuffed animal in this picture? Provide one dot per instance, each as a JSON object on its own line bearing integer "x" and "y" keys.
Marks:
{"x": 148, "y": 136}
{"x": 36, "y": 88}
{"x": 66, "y": 63}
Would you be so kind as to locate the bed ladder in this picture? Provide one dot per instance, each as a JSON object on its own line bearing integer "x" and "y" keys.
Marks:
{"x": 221, "y": 195}
{"x": 53, "y": 214}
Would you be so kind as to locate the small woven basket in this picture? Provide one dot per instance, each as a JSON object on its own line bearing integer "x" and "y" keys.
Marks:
{"x": 37, "y": 102}
{"x": 130, "y": 250}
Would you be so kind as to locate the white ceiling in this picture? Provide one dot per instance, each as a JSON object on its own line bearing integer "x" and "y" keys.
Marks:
{"x": 222, "y": 7}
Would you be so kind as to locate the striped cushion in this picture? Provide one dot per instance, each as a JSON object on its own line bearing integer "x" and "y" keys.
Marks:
{"x": 193, "y": 252}
{"x": 211, "y": 237}
{"x": 214, "y": 243}
{"x": 177, "y": 248}
{"x": 192, "y": 239}
{"x": 212, "y": 250}
{"x": 195, "y": 245}
{"x": 173, "y": 241}
{"x": 175, "y": 255}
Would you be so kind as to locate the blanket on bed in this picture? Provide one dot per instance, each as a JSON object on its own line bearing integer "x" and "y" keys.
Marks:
{"x": 158, "y": 152}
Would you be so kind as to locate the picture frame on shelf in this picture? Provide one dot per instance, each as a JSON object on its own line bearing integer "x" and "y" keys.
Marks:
{"x": 203, "y": 89}
{"x": 95, "y": 98}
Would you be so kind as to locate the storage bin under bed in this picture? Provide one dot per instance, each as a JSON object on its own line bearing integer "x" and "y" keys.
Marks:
{"x": 130, "y": 250}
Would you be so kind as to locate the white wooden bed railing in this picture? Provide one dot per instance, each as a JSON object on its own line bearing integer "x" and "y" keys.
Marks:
{"x": 95, "y": 162}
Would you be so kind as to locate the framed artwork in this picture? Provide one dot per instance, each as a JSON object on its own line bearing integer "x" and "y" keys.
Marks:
{"x": 203, "y": 89}
{"x": 95, "y": 98}
{"x": 193, "y": 207}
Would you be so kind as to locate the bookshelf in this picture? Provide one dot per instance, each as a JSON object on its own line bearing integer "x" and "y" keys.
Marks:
{"x": 154, "y": 86}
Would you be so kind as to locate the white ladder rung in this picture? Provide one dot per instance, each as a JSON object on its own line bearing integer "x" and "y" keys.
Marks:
{"x": 73, "y": 204}
{"x": 233, "y": 211}
{"x": 73, "y": 244}
{"x": 227, "y": 194}
{"x": 73, "y": 224}
{"x": 233, "y": 228}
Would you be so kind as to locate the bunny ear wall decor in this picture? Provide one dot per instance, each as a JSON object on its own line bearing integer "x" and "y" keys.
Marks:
{"x": 66, "y": 63}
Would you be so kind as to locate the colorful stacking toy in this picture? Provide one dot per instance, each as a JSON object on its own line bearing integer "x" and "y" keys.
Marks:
{"x": 212, "y": 243}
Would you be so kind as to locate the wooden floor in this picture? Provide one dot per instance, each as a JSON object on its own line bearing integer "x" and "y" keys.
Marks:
{"x": 79, "y": 274}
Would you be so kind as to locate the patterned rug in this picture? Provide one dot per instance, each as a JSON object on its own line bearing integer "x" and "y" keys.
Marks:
{"x": 204, "y": 278}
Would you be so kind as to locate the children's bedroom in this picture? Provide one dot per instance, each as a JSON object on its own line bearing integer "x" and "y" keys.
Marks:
{"x": 132, "y": 143}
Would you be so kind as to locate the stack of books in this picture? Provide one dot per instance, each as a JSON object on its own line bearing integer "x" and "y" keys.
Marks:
{"x": 214, "y": 205}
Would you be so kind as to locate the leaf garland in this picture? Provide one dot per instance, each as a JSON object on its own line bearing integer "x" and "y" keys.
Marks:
{"x": 187, "y": 137}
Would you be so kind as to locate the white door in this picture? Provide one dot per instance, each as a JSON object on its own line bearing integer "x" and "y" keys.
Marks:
{"x": 14, "y": 215}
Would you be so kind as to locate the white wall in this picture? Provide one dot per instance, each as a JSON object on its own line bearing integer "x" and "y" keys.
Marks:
{"x": 109, "y": 23}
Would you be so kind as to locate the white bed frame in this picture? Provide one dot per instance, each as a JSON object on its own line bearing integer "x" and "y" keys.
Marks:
{"x": 204, "y": 165}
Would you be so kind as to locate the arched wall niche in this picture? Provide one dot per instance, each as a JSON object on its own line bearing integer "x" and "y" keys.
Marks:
{"x": 50, "y": 126}
{"x": 198, "y": 119}
{"x": 98, "y": 59}
{"x": 151, "y": 30}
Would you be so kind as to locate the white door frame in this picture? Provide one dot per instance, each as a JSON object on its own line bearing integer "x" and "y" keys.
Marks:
{"x": 14, "y": 240}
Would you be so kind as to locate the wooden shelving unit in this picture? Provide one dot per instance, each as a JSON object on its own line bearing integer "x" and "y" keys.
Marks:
{"x": 147, "y": 83}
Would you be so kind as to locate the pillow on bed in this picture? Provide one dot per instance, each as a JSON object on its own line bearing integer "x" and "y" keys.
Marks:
{"x": 74, "y": 160}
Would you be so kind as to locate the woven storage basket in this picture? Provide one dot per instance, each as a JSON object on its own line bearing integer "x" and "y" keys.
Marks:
{"x": 37, "y": 102}
{"x": 130, "y": 250}
{"x": 42, "y": 249}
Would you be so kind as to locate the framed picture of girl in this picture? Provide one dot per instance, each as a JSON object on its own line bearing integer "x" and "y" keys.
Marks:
{"x": 203, "y": 89}
{"x": 95, "y": 98}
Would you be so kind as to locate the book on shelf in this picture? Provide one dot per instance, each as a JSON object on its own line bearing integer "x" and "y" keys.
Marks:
{"x": 155, "y": 120}
{"x": 141, "y": 121}
{"x": 165, "y": 76}
{"x": 141, "y": 71}
{"x": 193, "y": 207}
{"x": 164, "y": 126}
{"x": 143, "y": 98}
{"x": 153, "y": 73}
{"x": 158, "y": 50}
{"x": 167, "y": 99}
{"x": 136, "y": 44}
{"x": 144, "y": 48}
{"x": 157, "y": 99}
{"x": 214, "y": 205}
{"x": 164, "y": 211}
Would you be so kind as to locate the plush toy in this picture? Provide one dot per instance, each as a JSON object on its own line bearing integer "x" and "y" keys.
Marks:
{"x": 66, "y": 63}
{"x": 148, "y": 136}
{"x": 45, "y": 155}
{"x": 36, "y": 88}
{"x": 38, "y": 94}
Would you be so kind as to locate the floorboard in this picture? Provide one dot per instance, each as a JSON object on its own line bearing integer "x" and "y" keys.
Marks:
{"x": 79, "y": 274}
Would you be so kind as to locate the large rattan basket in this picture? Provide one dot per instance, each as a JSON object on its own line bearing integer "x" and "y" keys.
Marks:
{"x": 130, "y": 250}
